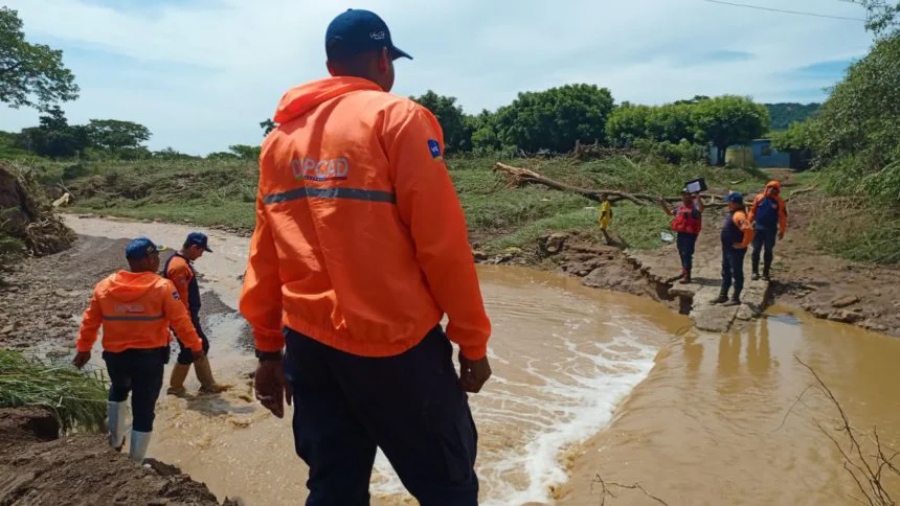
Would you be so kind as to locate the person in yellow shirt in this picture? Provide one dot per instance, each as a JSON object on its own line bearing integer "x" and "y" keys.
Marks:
{"x": 606, "y": 215}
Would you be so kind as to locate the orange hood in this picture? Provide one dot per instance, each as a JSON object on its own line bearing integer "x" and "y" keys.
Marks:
{"x": 775, "y": 185}
{"x": 304, "y": 98}
{"x": 126, "y": 286}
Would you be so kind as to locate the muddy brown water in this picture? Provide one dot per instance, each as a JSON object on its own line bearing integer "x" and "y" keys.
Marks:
{"x": 588, "y": 385}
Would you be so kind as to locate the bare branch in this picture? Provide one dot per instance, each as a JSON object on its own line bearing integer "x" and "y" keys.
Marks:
{"x": 606, "y": 490}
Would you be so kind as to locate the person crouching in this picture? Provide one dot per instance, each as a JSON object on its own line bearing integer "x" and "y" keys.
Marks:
{"x": 135, "y": 309}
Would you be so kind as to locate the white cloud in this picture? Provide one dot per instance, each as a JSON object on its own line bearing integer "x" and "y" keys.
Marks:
{"x": 215, "y": 68}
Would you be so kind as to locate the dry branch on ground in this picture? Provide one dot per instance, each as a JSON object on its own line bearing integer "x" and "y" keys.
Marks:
{"x": 607, "y": 490}
{"x": 519, "y": 176}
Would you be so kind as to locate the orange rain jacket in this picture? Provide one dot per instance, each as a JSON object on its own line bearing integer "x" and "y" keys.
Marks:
{"x": 181, "y": 274}
{"x": 782, "y": 207}
{"x": 135, "y": 311}
{"x": 360, "y": 239}
{"x": 739, "y": 218}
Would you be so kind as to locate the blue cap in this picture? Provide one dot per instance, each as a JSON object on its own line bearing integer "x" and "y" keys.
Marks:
{"x": 734, "y": 197}
{"x": 142, "y": 247}
{"x": 356, "y": 31}
{"x": 198, "y": 239}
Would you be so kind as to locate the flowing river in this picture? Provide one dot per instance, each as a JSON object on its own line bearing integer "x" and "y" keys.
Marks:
{"x": 590, "y": 387}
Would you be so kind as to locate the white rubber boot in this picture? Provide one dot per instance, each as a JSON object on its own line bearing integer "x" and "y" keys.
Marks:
{"x": 117, "y": 412}
{"x": 139, "y": 443}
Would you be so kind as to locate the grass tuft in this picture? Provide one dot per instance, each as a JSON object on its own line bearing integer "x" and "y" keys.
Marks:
{"x": 76, "y": 399}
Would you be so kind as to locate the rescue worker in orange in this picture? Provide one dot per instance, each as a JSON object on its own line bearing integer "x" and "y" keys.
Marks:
{"x": 179, "y": 268}
{"x": 736, "y": 235}
{"x": 687, "y": 221}
{"x": 360, "y": 248}
{"x": 135, "y": 309}
{"x": 768, "y": 214}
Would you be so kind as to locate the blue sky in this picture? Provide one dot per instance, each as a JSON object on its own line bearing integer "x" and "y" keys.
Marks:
{"x": 202, "y": 74}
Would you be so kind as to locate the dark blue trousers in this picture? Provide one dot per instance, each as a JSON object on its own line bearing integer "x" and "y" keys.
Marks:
{"x": 686, "y": 244}
{"x": 733, "y": 269}
{"x": 140, "y": 373}
{"x": 410, "y": 405}
{"x": 763, "y": 239}
{"x": 186, "y": 356}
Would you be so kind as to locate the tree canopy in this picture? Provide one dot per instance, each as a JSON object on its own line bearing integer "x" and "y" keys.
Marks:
{"x": 31, "y": 75}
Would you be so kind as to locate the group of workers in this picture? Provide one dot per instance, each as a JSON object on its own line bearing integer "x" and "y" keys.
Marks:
{"x": 765, "y": 222}
{"x": 360, "y": 250}
{"x": 137, "y": 308}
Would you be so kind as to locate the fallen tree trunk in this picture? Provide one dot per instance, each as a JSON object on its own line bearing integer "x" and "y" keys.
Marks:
{"x": 521, "y": 176}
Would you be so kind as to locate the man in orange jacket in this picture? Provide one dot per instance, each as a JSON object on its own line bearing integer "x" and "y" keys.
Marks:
{"x": 135, "y": 309}
{"x": 768, "y": 214}
{"x": 360, "y": 248}
{"x": 179, "y": 268}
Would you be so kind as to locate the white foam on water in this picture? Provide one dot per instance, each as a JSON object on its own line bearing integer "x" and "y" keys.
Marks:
{"x": 559, "y": 403}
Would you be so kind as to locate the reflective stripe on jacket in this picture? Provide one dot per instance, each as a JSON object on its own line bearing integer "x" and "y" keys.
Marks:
{"x": 135, "y": 310}
{"x": 360, "y": 239}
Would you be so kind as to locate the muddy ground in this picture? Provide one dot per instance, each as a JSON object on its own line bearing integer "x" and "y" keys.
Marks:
{"x": 42, "y": 303}
{"x": 39, "y": 467}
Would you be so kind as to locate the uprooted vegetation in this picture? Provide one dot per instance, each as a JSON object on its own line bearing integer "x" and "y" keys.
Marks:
{"x": 500, "y": 214}
{"x": 28, "y": 223}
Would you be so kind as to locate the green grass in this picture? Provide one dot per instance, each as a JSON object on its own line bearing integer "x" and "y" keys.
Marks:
{"x": 76, "y": 399}
{"x": 222, "y": 192}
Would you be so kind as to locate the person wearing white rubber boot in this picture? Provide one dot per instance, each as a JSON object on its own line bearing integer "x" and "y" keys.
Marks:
{"x": 135, "y": 308}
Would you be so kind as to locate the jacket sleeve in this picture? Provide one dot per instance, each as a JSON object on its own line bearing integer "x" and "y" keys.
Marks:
{"x": 753, "y": 207}
{"x": 740, "y": 219}
{"x": 782, "y": 215}
{"x": 179, "y": 318}
{"x": 260, "y": 301}
{"x": 90, "y": 325}
{"x": 180, "y": 274}
{"x": 428, "y": 205}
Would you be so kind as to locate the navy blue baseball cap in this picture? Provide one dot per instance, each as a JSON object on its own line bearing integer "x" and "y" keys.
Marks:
{"x": 142, "y": 247}
{"x": 356, "y": 31}
{"x": 199, "y": 239}
{"x": 734, "y": 197}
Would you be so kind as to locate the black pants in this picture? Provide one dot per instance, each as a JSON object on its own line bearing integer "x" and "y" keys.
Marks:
{"x": 763, "y": 239}
{"x": 186, "y": 356}
{"x": 410, "y": 405}
{"x": 686, "y": 244}
{"x": 733, "y": 269}
{"x": 139, "y": 372}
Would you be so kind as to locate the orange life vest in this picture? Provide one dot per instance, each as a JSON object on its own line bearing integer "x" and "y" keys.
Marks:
{"x": 685, "y": 222}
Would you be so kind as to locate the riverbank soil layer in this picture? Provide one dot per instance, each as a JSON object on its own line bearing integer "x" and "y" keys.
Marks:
{"x": 39, "y": 467}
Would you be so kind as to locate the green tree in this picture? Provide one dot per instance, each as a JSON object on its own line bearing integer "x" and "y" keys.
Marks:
{"x": 727, "y": 120}
{"x": 267, "y": 125}
{"x": 673, "y": 122}
{"x": 799, "y": 136}
{"x": 783, "y": 114}
{"x": 483, "y": 128}
{"x": 628, "y": 123}
{"x": 54, "y": 137}
{"x": 31, "y": 75}
{"x": 555, "y": 119}
{"x": 457, "y": 134}
{"x": 881, "y": 16}
{"x": 117, "y": 135}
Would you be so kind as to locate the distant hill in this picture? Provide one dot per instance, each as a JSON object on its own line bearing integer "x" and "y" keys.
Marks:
{"x": 785, "y": 113}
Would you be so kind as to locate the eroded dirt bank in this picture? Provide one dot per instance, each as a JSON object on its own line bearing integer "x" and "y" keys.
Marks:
{"x": 39, "y": 467}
